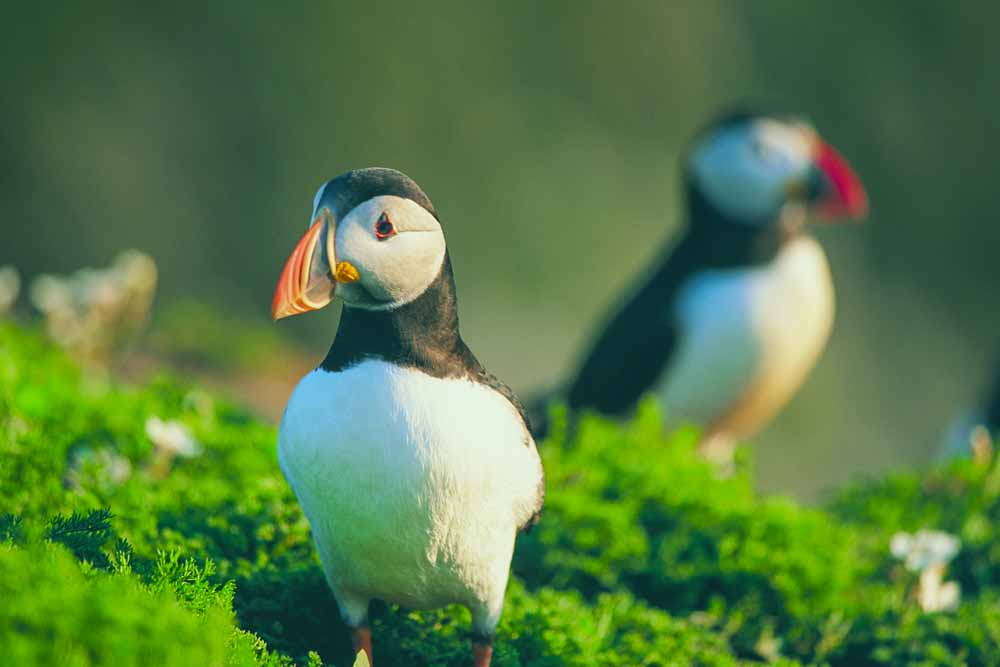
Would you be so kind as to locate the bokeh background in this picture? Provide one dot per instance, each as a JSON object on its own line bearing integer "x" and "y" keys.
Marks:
{"x": 549, "y": 136}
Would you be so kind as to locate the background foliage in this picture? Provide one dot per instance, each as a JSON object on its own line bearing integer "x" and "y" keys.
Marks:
{"x": 549, "y": 136}
{"x": 644, "y": 555}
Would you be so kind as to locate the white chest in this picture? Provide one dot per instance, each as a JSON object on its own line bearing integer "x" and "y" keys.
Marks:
{"x": 413, "y": 485}
{"x": 748, "y": 339}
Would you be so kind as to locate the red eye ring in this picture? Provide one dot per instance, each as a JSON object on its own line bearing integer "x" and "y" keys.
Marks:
{"x": 384, "y": 227}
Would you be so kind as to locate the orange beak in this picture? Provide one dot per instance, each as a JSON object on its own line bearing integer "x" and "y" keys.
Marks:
{"x": 310, "y": 276}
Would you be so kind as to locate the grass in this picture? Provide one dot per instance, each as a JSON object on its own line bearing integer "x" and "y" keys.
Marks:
{"x": 109, "y": 556}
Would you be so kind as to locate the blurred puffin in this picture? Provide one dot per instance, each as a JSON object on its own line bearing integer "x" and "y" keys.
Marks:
{"x": 732, "y": 318}
{"x": 974, "y": 429}
{"x": 412, "y": 463}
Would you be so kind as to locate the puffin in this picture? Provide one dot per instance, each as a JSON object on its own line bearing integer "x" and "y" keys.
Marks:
{"x": 728, "y": 322}
{"x": 974, "y": 428}
{"x": 413, "y": 464}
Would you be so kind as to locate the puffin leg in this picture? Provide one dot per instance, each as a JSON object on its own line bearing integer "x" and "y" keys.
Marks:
{"x": 485, "y": 617}
{"x": 482, "y": 651}
{"x": 354, "y": 611}
{"x": 361, "y": 637}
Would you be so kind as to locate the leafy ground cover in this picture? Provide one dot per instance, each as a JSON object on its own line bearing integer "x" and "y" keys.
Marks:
{"x": 114, "y": 551}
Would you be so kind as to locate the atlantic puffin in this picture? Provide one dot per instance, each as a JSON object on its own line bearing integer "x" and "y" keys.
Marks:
{"x": 413, "y": 464}
{"x": 731, "y": 318}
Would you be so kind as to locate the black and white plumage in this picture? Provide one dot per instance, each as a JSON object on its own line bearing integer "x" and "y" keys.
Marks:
{"x": 732, "y": 317}
{"x": 413, "y": 464}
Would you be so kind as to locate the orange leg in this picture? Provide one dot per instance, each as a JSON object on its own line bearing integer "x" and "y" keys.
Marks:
{"x": 362, "y": 638}
{"x": 481, "y": 654}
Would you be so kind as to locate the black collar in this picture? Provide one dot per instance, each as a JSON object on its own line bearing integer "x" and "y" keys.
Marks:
{"x": 723, "y": 242}
{"x": 422, "y": 334}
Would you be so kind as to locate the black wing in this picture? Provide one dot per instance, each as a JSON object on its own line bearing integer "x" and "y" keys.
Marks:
{"x": 635, "y": 347}
{"x": 626, "y": 360}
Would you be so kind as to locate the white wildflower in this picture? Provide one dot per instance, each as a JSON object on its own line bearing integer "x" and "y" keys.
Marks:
{"x": 935, "y": 594}
{"x": 172, "y": 438}
{"x": 136, "y": 270}
{"x": 929, "y": 552}
{"x": 51, "y": 293}
{"x": 95, "y": 288}
{"x": 10, "y": 287}
{"x": 96, "y": 312}
{"x": 924, "y": 548}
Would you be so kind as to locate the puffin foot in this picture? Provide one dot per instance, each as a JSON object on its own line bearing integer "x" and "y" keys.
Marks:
{"x": 482, "y": 652}
{"x": 362, "y": 640}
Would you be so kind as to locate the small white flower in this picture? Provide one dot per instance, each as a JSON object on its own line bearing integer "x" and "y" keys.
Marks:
{"x": 172, "y": 437}
{"x": 50, "y": 294}
{"x": 97, "y": 288}
{"x": 10, "y": 287}
{"x": 900, "y": 545}
{"x": 929, "y": 552}
{"x": 95, "y": 313}
{"x": 935, "y": 594}
{"x": 924, "y": 549}
{"x": 136, "y": 270}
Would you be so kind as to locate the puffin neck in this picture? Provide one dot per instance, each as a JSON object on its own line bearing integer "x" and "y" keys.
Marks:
{"x": 421, "y": 334}
{"x": 728, "y": 242}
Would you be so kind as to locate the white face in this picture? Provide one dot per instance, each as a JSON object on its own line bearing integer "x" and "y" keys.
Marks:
{"x": 397, "y": 247}
{"x": 749, "y": 171}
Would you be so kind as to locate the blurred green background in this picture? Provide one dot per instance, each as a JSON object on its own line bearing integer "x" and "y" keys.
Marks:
{"x": 549, "y": 137}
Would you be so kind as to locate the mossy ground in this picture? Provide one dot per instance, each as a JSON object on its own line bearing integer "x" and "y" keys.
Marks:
{"x": 644, "y": 555}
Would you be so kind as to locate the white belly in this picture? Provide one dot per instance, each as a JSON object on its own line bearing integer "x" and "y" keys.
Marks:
{"x": 414, "y": 486}
{"x": 748, "y": 340}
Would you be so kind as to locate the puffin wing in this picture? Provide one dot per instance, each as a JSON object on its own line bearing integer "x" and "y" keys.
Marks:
{"x": 625, "y": 362}
{"x": 529, "y": 508}
{"x": 635, "y": 347}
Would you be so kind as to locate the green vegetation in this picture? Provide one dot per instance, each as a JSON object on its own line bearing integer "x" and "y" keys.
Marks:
{"x": 113, "y": 554}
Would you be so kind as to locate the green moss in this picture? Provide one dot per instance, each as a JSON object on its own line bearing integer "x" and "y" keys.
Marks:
{"x": 962, "y": 498}
{"x": 630, "y": 508}
{"x": 49, "y": 602}
{"x": 644, "y": 555}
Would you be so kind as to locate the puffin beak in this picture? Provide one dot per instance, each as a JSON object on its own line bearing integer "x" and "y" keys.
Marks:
{"x": 311, "y": 274}
{"x": 837, "y": 191}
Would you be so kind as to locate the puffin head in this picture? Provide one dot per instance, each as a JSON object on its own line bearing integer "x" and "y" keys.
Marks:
{"x": 754, "y": 168}
{"x": 374, "y": 240}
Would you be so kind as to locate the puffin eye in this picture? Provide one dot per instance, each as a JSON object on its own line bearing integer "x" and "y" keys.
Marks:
{"x": 384, "y": 227}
